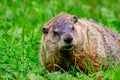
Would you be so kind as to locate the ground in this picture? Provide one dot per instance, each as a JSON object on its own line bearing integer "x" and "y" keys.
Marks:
{"x": 21, "y": 23}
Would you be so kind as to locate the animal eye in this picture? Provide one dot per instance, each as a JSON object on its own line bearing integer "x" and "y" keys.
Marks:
{"x": 55, "y": 32}
{"x": 45, "y": 30}
{"x": 73, "y": 28}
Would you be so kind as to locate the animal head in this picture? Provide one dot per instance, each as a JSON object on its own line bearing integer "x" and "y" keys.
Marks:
{"x": 61, "y": 32}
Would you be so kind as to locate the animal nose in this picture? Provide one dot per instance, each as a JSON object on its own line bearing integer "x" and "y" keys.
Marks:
{"x": 68, "y": 38}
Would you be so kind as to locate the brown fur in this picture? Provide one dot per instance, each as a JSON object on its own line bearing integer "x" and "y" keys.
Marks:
{"x": 93, "y": 44}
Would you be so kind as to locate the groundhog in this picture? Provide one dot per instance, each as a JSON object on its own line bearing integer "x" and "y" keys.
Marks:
{"x": 69, "y": 41}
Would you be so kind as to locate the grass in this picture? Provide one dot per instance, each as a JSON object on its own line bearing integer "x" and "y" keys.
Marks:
{"x": 21, "y": 22}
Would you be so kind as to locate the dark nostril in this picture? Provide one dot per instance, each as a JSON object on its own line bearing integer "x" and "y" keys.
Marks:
{"x": 68, "y": 39}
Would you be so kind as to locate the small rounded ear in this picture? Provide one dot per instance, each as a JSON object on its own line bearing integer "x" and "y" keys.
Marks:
{"x": 45, "y": 30}
{"x": 74, "y": 19}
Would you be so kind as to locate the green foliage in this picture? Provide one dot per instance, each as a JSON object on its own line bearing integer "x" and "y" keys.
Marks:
{"x": 21, "y": 23}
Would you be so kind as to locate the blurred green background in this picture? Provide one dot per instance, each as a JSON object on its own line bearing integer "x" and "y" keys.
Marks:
{"x": 21, "y": 24}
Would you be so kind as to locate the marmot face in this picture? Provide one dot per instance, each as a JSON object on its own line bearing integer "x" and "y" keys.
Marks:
{"x": 62, "y": 33}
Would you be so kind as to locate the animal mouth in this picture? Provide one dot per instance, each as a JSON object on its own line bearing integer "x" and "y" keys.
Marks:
{"x": 68, "y": 47}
